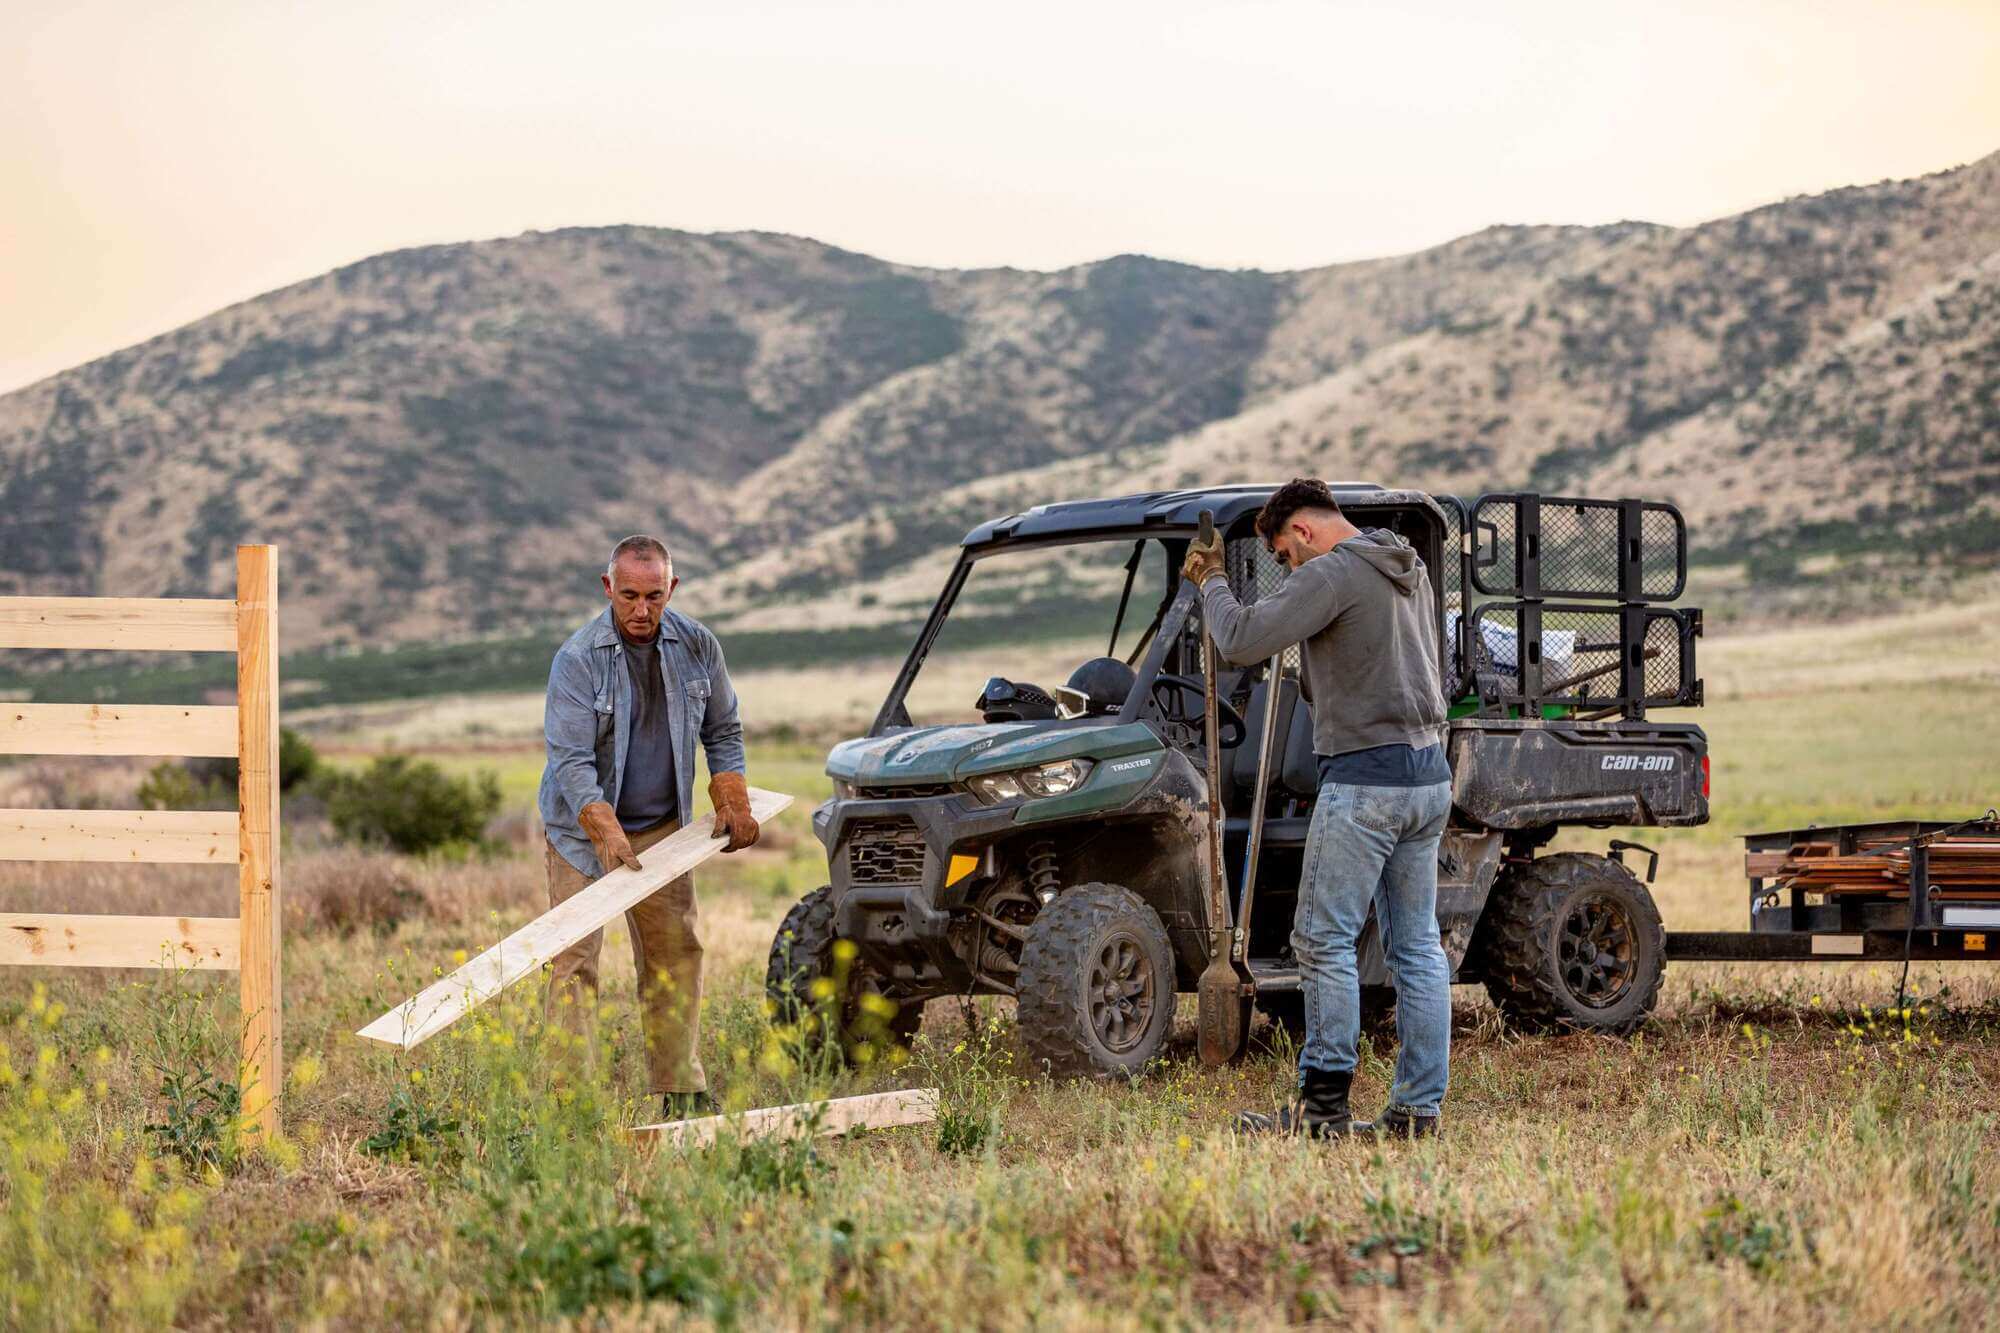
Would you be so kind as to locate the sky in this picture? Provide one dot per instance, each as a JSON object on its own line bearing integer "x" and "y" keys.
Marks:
{"x": 160, "y": 161}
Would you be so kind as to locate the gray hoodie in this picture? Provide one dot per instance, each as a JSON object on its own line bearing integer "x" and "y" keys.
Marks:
{"x": 1367, "y": 619}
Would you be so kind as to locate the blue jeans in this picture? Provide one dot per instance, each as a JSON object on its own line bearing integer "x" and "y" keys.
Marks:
{"x": 1379, "y": 845}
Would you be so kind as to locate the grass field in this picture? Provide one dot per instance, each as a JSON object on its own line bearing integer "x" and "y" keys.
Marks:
{"x": 1774, "y": 1149}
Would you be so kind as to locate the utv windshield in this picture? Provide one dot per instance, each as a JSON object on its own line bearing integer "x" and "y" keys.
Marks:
{"x": 1028, "y": 618}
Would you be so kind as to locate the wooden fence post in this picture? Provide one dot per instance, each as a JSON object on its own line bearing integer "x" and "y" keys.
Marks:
{"x": 257, "y": 830}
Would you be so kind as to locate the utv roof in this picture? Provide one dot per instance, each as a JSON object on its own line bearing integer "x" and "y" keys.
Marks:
{"x": 1155, "y": 510}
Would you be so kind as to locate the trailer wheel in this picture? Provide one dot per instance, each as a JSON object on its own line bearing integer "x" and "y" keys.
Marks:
{"x": 1573, "y": 941}
{"x": 802, "y": 953}
{"x": 1096, "y": 986}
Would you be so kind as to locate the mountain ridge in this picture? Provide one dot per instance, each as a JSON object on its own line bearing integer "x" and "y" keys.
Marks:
{"x": 441, "y": 437}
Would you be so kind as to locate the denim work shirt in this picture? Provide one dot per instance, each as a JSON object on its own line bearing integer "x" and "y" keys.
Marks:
{"x": 587, "y": 722}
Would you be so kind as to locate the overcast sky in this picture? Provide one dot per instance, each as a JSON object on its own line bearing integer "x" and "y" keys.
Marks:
{"x": 160, "y": 160}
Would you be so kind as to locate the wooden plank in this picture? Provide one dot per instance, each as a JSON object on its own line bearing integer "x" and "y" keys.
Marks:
{"x": 444, "y": 1002}
{"x": 30, "y": 939}
{"x": 184, "y": 837}
{"x": 877, "y": 1110}
{"x": 256, "y": 748}
{"x": 144, "y": 729}
{"x": 149, "y": 624}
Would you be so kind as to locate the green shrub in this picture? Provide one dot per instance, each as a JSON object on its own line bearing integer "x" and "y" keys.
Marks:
{"x": 974, "y": 1078}
{"x": 172, "y": 786}
{"x": 410, "y": 805}
{"x": 184, "y": 1044}
{"x": 210, "y": 784}
{"x": 199, "y": 1126}
{"x": 413, "y": 1131}
{"x": 785, "y": 1165}
{"x": 569, "y": 1257}
{"x": 1732, "y": 1230}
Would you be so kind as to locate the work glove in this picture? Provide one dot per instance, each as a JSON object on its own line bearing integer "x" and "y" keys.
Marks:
{"x": 607, "y": 838}
{"x": 731, "y": 795}
{"x": 1203, "y": 562}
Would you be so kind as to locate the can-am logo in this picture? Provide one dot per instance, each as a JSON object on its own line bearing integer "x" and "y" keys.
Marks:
{"x": 1638, "y": 763}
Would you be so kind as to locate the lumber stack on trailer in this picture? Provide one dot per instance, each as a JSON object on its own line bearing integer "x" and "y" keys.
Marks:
{"x": 1962, "y": 865}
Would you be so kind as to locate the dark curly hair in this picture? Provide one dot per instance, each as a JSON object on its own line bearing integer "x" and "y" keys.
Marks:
{"x": 1296, "y": 494}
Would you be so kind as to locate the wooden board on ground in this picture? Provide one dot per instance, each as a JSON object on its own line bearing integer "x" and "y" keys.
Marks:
{"x": 440, "y": 1005}
{"x": 876, "y": 1110}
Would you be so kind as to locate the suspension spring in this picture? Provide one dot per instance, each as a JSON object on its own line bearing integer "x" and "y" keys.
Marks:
{"x": 1044, "y": 871}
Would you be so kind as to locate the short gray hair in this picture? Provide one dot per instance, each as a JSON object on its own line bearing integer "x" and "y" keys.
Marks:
{"x": 647, "y": 548}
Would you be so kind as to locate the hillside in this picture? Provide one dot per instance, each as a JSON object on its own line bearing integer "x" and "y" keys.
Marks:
{"x": 442, "y": 439}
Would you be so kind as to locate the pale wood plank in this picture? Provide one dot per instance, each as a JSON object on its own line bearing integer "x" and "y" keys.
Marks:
{"x": 140, "y": 729}
{"x": 876, "y": 1110}
{"x": 30, "y": 939}
{"x": 256, "y": 747}
{"x": 185, "y": 837}
{"x": 149, "y": 624}
{"x": 522, "y": 953}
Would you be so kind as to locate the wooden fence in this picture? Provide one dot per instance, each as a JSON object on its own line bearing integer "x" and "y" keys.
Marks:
{"x": 248, "y": 942}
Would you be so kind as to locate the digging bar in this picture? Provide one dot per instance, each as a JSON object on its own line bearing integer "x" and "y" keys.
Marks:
{"x": 1219, "y": 993}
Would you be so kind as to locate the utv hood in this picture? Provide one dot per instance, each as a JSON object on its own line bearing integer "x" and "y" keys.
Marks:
{"x": 952, "y": 754}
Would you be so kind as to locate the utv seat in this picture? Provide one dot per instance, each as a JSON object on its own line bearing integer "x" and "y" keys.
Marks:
{"x": 1295, "y": 771}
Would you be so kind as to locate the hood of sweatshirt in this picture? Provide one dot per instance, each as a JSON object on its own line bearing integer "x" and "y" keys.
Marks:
{"x": 1391, "y": 556}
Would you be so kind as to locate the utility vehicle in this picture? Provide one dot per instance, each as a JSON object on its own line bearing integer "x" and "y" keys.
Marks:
{"x": 1051, "y": 843}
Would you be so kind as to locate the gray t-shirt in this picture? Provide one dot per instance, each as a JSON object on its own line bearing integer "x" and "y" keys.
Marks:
{"x": 646, "y": 793}
{"x": 1368, "y": 622}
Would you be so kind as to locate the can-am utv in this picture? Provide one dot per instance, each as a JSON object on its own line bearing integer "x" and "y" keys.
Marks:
{"x": 1053, "y": 848}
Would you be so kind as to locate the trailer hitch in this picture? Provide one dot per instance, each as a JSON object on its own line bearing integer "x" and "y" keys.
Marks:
{"x": 1619, "y": 847}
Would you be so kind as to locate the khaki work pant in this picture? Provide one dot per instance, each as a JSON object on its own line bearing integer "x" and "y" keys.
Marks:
{"x": 667, "y": 953}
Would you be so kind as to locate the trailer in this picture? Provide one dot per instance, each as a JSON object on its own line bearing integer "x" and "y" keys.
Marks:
{"x": 1898, "y": 889}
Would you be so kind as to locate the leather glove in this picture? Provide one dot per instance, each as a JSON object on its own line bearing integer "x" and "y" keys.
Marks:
{"x": 731, "y": 795}
{"x": 607, "y": 839}
{"x": 1202, "y": 562}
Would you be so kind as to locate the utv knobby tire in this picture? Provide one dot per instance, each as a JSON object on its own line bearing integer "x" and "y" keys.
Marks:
{"x": 1096, "y": 987}
{"x": 802, "y": 952}
{"x": 1542, "y": 917}
{"x": 1287, "y": 1008}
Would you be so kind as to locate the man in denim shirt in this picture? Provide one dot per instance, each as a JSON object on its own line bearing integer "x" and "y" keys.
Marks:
{"x": 1360, "y": 604}
{"x": 629, "y": 696}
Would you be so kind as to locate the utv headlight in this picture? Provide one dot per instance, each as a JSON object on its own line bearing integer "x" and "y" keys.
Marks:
{"x": 843, "y": 791}
{"x": 1057, "y": 779}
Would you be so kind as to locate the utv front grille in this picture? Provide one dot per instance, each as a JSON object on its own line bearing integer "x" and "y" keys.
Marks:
{"x": 911, "y": 792}
{"x": 885, "y": 851}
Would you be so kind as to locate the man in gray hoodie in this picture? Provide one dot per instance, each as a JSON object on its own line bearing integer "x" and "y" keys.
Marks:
{"x": 1360, "y": 604}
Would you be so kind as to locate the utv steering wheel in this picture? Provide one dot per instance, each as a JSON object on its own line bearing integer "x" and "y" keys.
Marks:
{"x": 1229, "y": 728}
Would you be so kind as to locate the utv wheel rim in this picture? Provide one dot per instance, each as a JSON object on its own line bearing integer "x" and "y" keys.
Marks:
{"x": 1595, "y": 949}
{"x": 1120, "y": 992}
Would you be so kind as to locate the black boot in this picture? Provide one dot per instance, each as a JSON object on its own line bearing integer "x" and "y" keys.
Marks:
{"x": 1398, "y": 1123}
{"x": 686, "y": 1105}
{"x": 1320, "y": 1112}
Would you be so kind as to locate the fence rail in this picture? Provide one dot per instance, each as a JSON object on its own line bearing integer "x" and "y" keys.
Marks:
{"x": 157, "y": 837}
{"x": 248, "y": 732}
{"x": 149, "y": 624}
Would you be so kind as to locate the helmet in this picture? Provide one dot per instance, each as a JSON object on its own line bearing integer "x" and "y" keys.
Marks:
{"x": 1104, "y": 682}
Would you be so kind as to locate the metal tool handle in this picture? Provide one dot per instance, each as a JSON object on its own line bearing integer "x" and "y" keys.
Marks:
{"x": 1211, "y": 732}
{"x": 1266, "y": 747}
